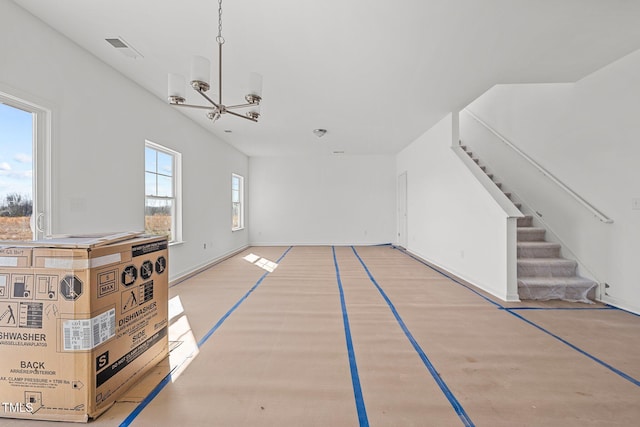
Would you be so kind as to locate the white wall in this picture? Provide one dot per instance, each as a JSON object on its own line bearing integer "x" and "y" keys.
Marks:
{"x": 100, "y": 123}
{"x": 587, "y": 134}
{"x": 453, "y": 222}
{"x": 340, "y": 200}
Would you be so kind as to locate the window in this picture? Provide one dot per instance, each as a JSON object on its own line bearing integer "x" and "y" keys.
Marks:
{"x": 162, "y": 210}
{"x": 237, "y": 202}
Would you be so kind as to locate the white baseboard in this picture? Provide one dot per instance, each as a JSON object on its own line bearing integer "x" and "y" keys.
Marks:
{"x": 457, "y": 277}
{"x": 316, "y": 244}
{"x": 199, "y": 269}
{"x": 635, "y": 309}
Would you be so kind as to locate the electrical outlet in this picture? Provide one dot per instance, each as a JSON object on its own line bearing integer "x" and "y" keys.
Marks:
{"x": 635, "y": 204}
{"x": 205, "y": 246}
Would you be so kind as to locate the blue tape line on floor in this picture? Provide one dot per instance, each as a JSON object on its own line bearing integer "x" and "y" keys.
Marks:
{"x": 453, "y": 279}
{"x": 576, "y": 348}
{"x": 623, "y": 310}
{"x": 464, "y": 417}
{"x": 167, "y": 379}
{"x": 240, "y": 301}
{"x": 508, "y": 310}
{"x": 558, "y": 308}
{"x": 355, "y": 378}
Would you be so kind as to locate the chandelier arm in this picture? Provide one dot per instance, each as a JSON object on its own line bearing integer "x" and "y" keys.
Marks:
{"x": 240, "y": 106}
{"x": 241, "y": 116}
{"x": 208, "y": 99}
{"x": 202, "y": 107}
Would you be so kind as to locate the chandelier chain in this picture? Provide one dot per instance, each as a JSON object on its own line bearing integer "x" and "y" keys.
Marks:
{"x": 220, "y": 39}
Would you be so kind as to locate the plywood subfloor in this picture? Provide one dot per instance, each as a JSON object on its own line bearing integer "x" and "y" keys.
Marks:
{"x": 370, "y": 336}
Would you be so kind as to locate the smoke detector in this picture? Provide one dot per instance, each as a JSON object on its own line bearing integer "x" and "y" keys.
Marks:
{"x": 319, "y": 132}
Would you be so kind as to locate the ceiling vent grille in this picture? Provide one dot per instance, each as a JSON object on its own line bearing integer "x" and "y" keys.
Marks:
{"x": 123, "y": 47}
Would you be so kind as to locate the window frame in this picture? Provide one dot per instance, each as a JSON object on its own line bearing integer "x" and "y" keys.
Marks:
{"x": 240, "y": 202}
{"x": 41, "y": 222}
{"x": 176, "y": 187}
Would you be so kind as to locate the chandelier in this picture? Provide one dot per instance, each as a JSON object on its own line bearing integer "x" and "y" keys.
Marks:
{"x": 200, "y": 67}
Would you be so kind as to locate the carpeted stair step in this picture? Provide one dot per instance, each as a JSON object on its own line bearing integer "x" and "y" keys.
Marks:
{"x": 546, "y": 267}
{"x": 526, "y": 221}
{"x": 538, "y": 250}
{"x": 567, "y": 288}
{"x": 506, "y": 193}
{"x": 530, "y": 234}
{"x": 518, "y": 205}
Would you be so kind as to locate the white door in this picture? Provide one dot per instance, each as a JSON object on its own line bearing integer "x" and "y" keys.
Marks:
{"x": 402, "y": 210}
{"x": 24, "y": 169}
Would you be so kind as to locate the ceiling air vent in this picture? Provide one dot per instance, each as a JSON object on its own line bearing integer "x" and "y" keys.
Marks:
{"x": 125, "y": 48}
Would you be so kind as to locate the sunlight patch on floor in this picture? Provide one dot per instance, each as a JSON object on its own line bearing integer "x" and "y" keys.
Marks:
{"x": 183, "y": 344}
{"x": 263, "y": 263}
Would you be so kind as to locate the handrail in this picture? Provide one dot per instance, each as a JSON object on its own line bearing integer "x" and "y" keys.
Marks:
{"x": 602, "y": 217}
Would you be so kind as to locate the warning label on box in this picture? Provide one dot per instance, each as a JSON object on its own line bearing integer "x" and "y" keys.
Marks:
{"x": 148, "y": 248}
{"x": 134, "y": 297}
{"x": 128, "y": 358}
{"x": 31, "y": 315}
{"x": 21, "y": 314}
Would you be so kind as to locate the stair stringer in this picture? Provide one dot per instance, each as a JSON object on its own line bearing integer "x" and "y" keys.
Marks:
{"x": 511, "y": 215}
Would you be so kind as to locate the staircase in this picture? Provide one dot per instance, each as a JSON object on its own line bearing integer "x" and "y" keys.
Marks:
{"x": 542, "y": 272}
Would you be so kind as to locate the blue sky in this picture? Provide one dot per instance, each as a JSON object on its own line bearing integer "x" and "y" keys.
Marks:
{"x": 16, "y": 165}
{"x": 159, "y": 173}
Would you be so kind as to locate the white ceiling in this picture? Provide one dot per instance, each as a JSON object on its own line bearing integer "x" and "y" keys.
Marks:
{"x": 375, "y": 74}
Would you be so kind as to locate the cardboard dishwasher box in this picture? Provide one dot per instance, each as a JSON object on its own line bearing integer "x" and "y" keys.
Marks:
{"x": 81, "y": 320}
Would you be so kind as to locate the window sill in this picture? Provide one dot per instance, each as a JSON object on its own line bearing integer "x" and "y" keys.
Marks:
{"x": 176, "y": 243}
{"x": 237, "y": 229}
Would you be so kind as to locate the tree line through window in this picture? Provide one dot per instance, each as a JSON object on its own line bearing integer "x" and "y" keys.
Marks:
{"x": 16, "y": 173}
{"x": 161, "y": 201}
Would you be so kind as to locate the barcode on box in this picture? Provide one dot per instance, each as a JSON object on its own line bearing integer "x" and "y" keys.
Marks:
{"x": 85, "y": 334}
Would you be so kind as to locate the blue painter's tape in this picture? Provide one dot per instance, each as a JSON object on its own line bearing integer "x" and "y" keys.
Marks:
{"x": 453, "y": 279}
{"x": 464, "y": 417}
{"x": 355, "y": 378}
{"x": 558, "y": 308}
{"x": 167, "y": 379}
{"x": 623, "y": 310}
{"x": 235, "y": 306}
{"x": 576, "y": 348}
{"x": 510, "y": 311}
